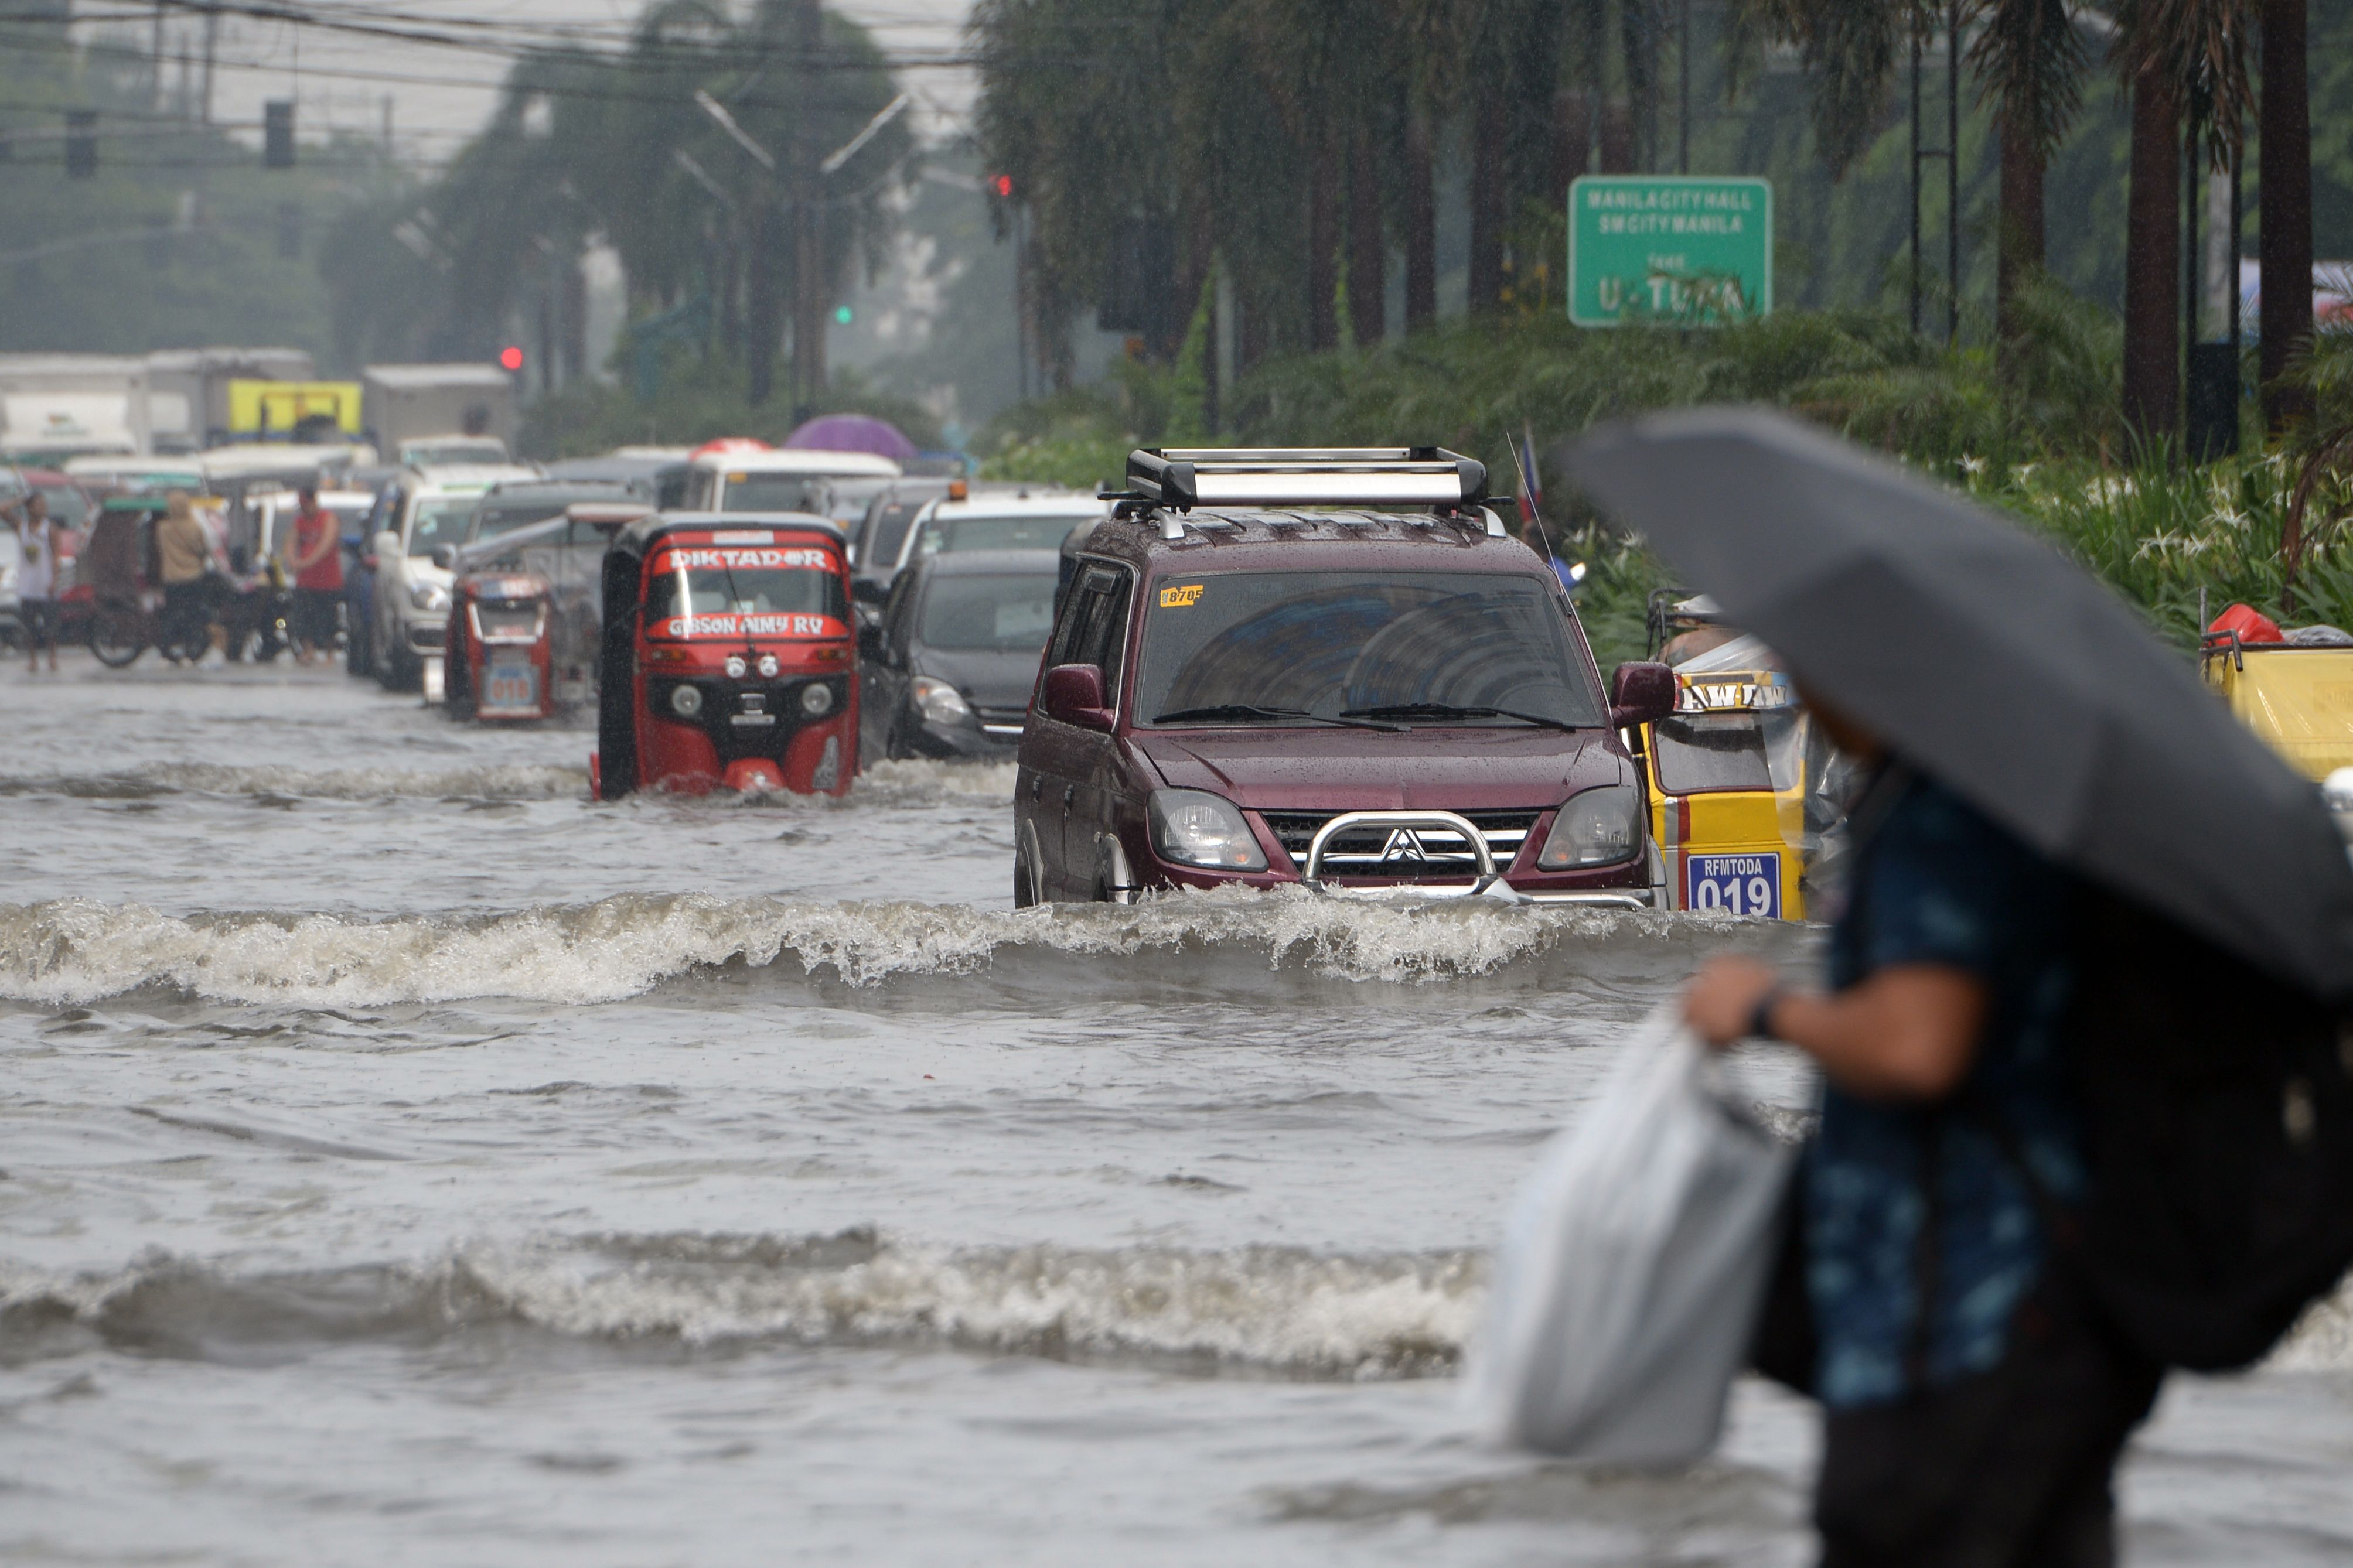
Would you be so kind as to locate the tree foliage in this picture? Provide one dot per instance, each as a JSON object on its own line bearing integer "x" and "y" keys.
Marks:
{"x": 589, "y": 146}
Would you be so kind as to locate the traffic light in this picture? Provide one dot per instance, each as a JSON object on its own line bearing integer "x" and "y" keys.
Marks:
{"x": 510, "y": 358}
{"x": 278, "y": 133}
{"x": 844, "y": 314}
{"x": 82, "y": 144}
{"x": 1002, "y": 185}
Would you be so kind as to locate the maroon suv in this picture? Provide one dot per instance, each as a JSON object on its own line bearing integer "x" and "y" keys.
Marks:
{"x": 1354, "y": 697}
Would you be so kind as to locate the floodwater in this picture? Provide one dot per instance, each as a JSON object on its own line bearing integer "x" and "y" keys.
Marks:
{"x": 405, "y": 1160}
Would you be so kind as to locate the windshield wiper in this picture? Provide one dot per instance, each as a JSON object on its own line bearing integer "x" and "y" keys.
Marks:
{"x": 1454, "y": 711}
{"x": 1252, "y": 710}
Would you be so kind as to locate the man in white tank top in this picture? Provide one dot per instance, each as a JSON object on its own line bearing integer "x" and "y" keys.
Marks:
{"x": 37, "y": 578}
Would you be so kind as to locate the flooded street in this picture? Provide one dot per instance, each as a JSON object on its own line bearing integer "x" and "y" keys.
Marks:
{"x": 405, "y": 1159}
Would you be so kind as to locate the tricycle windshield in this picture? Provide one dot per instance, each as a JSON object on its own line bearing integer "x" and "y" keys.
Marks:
{"x": 1409, "y": 647}
{"x": 695, "y": 591}
{"x": 1700, "y": 754}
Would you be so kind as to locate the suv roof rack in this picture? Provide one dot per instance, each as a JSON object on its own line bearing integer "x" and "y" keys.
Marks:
{"x": 1185, "y": 478}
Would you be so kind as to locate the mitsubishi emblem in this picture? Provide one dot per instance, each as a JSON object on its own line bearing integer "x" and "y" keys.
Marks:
{"x": 1404, "y": 844}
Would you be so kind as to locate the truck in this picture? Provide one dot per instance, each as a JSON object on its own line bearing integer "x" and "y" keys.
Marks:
{"x": 191, "y": 400}
{"x": 405, "y": 402}
{"x": 58, "y": 406}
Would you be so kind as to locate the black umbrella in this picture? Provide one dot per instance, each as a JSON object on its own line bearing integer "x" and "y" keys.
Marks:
{"x": 1991, "y": 661}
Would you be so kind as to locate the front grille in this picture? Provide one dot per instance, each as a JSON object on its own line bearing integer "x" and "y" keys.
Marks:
{"x": 427, "y": 635}
{"x": 1369, "y": 851}
{"x": 1001, "y": 721}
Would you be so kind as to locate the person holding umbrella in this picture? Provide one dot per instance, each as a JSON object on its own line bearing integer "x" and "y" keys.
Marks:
{"x": 1986, "y": 1315}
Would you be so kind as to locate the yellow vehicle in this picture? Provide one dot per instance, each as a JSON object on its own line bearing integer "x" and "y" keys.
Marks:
{"x": 2297, "y": 692}
{"x": 1734, "y": 773}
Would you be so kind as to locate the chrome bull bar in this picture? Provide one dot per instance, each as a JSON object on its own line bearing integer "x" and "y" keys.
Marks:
{"x": 1488, "y": 884}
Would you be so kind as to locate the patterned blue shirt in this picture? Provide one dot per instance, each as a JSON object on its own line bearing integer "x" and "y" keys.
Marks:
{"x": 1939, "y": 883}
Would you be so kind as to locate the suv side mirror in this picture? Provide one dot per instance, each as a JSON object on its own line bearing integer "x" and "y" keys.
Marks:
{"x": 1641, "y": 693}
{"x": 444, "y": 556}
{"x": 1073, "y": 694}
{"x": 869, "y": 641}
{"x": 867, "y": 591}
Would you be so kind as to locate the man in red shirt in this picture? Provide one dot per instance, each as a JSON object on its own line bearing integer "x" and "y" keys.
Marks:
{"x": 315, "y": 557}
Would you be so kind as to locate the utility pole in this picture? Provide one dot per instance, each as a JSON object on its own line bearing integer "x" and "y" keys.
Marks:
{"x": 1953, "y": 172}
{"x": 212, "y": 36}
{"x": 1915, "y": 178}
{"x": 1683, "y": 69}
{"x": 155, "y": 63}
{"x": 808, "y": 245}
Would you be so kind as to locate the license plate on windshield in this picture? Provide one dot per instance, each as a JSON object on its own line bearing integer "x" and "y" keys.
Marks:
{"x": 1733, "y": 884}
{"x": 510, "y": 685}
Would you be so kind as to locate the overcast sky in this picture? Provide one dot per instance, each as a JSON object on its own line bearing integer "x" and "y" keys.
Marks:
{"x": 441, "y": 95}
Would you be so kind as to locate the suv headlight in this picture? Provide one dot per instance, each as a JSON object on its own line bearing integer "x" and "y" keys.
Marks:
{"x": 1193, "y": 827}
{"x": 940, "y": 703}
{"x": 428, "y": 596}
{"x": 1598, "y": 827}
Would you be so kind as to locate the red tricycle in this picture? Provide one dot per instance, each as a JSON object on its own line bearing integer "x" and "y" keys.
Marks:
{"x": 729, "y": 657}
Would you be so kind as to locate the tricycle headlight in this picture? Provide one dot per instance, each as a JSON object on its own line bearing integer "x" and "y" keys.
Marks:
{"x": 686, "y": 701}
{"x": 428, "y": 595}
{"x": 816, "y": 700}
{"x": 736, "y": 666}
{"x": 1195, "y": 827}
{"x": 1598, "y": 827}
{"x": 940, "y": 703}
{"x": 768, "y": 667}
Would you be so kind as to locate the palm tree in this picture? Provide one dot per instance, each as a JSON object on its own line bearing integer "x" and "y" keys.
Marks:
{"x": 2029, "y": 61}
{"x": 2176, "y": 56}
{"x": 2287, "y": 225}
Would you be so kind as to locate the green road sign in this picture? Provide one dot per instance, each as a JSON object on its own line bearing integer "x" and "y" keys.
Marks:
{"x": 1686, "y": 250}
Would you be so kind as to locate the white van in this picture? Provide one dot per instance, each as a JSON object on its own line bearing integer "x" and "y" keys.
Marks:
{"x": 786, "y": 479}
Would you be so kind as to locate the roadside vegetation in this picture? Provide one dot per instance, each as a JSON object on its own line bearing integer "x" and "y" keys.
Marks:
{"x": 2045, "y": 438}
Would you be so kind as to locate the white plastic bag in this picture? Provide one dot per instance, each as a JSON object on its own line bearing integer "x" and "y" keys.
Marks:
{"x": 1633, "y": 1266}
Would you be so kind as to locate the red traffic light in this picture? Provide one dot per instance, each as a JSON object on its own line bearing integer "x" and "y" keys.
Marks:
{"x": 1003, "y": 185}
{"x": 510, "y": 357}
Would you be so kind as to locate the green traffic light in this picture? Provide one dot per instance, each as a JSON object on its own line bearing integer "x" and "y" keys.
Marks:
{"x": 844, "y": 314}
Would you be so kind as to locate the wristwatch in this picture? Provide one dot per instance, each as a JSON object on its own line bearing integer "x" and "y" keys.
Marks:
{"x": 1760, "y": 1019}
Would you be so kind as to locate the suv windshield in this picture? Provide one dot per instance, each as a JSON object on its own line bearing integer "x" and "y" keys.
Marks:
{"x": 998, "y": 613}
{"x": 1700, "y": 753}
{"x": 440, "y": 520}
{"x": 1409, "y": 646}
{"x": 1019, "y": 530}
{"x": 776, "y": 493}
{"x": 695, "y": 591}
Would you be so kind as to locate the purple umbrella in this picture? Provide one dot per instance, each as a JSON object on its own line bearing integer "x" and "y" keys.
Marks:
{"x": 853, "y": 433}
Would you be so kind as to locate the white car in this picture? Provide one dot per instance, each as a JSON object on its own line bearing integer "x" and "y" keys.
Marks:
{"x": 425, "y": 510}
{"x": 789, "y": 478}
{"x": 997, "y": 521}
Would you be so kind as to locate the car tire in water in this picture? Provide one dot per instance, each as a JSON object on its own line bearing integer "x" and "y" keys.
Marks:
{"x": 116, "y": 637}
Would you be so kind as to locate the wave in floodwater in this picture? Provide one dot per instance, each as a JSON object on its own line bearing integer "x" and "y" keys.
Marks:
{"x": 74, "y": 952}
{"x": 1269, "y": 1311}
{"x": 911, "y": 783}
{"x": 1264, "y": 1311}
{"x": 149, "y": 780}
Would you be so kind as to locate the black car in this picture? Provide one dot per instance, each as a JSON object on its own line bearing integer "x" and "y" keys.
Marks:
{"x": 948, "y": 671}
